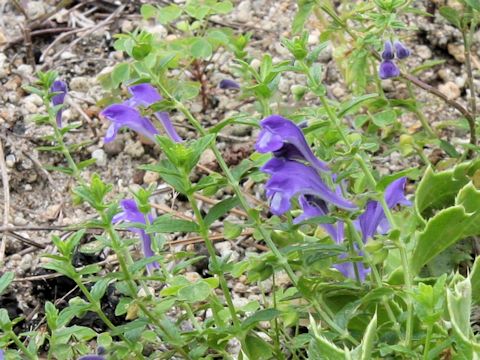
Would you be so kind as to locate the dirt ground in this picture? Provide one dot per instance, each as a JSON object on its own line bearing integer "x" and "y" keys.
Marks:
{"x": 78, "y": 43}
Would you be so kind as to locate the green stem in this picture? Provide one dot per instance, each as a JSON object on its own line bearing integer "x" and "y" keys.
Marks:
{"x": 118, "y": 249}
{"x": 428, "y": 339}
{"x": 401, "y": 247}
{"x": 423, "y": 120}
{"x": 20, "y": 345}
{"x": 213, "y": 257}
{"x": 318, "y": 304}
{"x": 376, "y": 276}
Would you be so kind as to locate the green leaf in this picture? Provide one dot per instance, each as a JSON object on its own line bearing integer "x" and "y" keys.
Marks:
{"x": 474, "y": 4}
{"x": 368, "y": 339}
{"x": 201, "y": 49}
{"x": 262, "y": 315}
{"x": 448, "y": 226}
{"x": 5, "y": 280}
{"x": 304, "y": 10}
{"x": 459, "y": 303}
{"x": 351, "y": 105}
{"x": 388, "y": 179}
{"x": 196, "y": 292}
{"x": 475, "y": 280}
{"x": 257, "y": 348}
{"x": 231, "y": 231}
{"x": 169, "y": 13}
{"x": 452, "y": 16}
{"x": 168, "y": 224}
{"x": 384, "y": 118}
{"x": 98, "y": 290}
{"x": 223, "y": 7}
{"x": 148, "y": 11}
{"x": 120, "y": 74}
{"x": 438, "y": 190}
{"x": 220, "y": 209}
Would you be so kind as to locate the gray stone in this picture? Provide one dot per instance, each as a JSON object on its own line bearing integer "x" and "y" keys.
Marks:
{"x": 100, "y": 157}
{"x": 243, "y": 11}
{"x": 134, "y": 149}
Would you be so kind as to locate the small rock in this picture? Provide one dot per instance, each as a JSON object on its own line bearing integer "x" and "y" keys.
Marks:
{"x": 150, "y": 177}
{"x": 80, "y": 83}
{"x": 3, "y": 38}
{"x": 100, "y": 157}
{"x": 192, "y": 276}
{"x": 138, "y": 177}
{"x": 223, "y": 247}
{"x": 240, "y": 302}
{"x": 243, "y": 11}
{"x": 338, "y": 91}
{"x": 19, "y": 220}
{"x": 207, "y": 157}
{"x": 67, "y": 55}
{"x": 35, "y": 99}
{"x": 456, "y": 50}
{"x": 450, "y": 89}
{"x": 240, "y": 288}
{"x": 423, "y": 52}
{"x": 255, "y": 64}
{"x": 10, "y": 160}
{"x": 34, "y": 9}
{"x": 326, "y": 54}
{"x": 26, "y": 262}
{"x": 25, "y": 70}
{"x": 116, "y": 146}
{"x": 126, "y": 26}
{"x": 238, "y": 130}
{"x": 134, "y": 149}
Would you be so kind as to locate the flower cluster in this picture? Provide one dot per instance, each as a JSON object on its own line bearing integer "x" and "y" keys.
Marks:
{"x": 131, "y": 214}
{"x": 296, "y": 172}
{"x": 60, "y": 89}
{"x": 388, "y": 68}
{"x": 127, "y": 114}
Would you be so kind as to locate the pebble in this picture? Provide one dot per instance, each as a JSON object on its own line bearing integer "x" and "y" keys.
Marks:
{"x": 239, "y": 302}
{"x": 67, "y": 55}
{"x": 25, "y": 70}
{"x": 26, "y": 262}
{"x": 243, "y": 11}
{"x": 116, "y": 146}
{"x": 456, "y": 50}
{"x": 423, "y": 52}
{"x": 150, "y": 177}
{"x": 80, "y": 83}
{"x": 326, "y": 54}
{"x": 4, "y": 70}
{"x": 10, "y": 160}
{"x": 134, "y": 149}
{"x": 207, "y": 157}
{"x": 100, "y": 157}
{"x": 19, "y": 220}
{"x": 34, "y": 9}
{"x": 450, "y": 89}
{"x": 223, "y": 247}
{"x": 192, "y": 276}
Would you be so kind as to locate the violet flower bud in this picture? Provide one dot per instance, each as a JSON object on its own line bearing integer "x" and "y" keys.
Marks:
{"x": 92, "y": 357}
{"x": 401, "y": 50}
{"x": 388, "y": 69}
{"x": 60, "y": 87}
{"x": 228, "y": 84}
{"x": 286, "y": 140}
{"x": 131, "y": 214}
{"x": 387, "y": 53}
{"x": 374, "y": 220}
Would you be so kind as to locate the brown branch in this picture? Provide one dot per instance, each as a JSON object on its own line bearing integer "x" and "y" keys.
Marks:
{"x": 6, "y": 199}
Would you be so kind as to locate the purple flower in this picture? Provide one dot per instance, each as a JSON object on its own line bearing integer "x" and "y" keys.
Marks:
{"x": 228, "y": 84}
{"x": 401, "y": 50}
{"x": 286, "y": 140}
{"x": 92, "y": 357}
{"x": 128, "y": 115}
{"x": 387, "y": 53}
{"x": 388, "y": 69}
{"x": 291, "y": 178}
{"x": 61, "y": 88}
{"x": 374, "y": 220}
{"x": 131, "y": 214}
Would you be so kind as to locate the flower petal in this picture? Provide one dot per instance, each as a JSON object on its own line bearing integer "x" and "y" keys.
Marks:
{"x": 387, "y": 53}
{"x": 275, "y": 129}
{"x": 125, "y": 116}
{"x": 144, "y": 95}
{"x": 401, "y": 50}
{"x": 388, "y": 70}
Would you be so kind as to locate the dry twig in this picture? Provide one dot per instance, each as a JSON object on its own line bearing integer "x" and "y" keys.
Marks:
{"x": 6, "y": 198}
